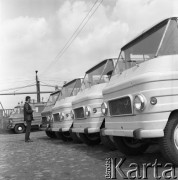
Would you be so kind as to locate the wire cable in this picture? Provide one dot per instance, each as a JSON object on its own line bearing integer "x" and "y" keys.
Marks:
{"x": 75, "y": 34}
{"x": 80, "y": 30}
{"x": 54, "y": 80}
{"x": 78, "y": 27}
{"x": 16, "y": 88}
{"x": 11, "y": 82}
{"x": 45, "y": 84}
{"x": 49, "y": 84}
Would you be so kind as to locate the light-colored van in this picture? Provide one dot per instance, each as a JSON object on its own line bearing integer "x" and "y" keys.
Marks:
{"x": 141, "y": 102}
{"x": 16, "y": 119}
{"x": 62, "y": 120}
{"x": 47, "y": 114}
{"x": 86, "y": 107}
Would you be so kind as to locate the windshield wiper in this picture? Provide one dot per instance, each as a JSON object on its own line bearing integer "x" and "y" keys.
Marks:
{"x": 131, "y": 61}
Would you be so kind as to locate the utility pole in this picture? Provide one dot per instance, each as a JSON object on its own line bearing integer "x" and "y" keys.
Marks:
{"x": 37, "y": 87}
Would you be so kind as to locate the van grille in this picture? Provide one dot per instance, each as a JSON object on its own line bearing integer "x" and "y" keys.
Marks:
{"x": 44, "y": 120}
{"x": 56, "y": 117}
{"x": 120, "y": 106}
{"x": 79, "y": 113}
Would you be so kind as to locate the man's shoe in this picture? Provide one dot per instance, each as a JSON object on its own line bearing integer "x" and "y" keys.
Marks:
{"x": 28, "y": 140}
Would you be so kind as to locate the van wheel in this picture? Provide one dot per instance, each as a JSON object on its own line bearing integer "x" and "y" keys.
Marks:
{"x": 75, "y": 137}
{"x": 65, "y": 136}
{"x": 107, "y": 142}
{"x": 50, "y": 134}
{"x": 90, "y": 139}
{"x": 130, "y": 146}
{"x": 19, "y": 128}
{"x": 58, "y": 135}
{"x": 169, "y": 143}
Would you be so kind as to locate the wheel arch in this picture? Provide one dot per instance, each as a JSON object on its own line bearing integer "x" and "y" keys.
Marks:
{"x": 21, "y": 123}
{"x": 173, "y": 114}
{"x": 103, "y": 124}
{"x": 16, "y": 128}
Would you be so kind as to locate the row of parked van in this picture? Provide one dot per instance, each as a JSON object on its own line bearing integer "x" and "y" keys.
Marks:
{"x": 127, "y": 102}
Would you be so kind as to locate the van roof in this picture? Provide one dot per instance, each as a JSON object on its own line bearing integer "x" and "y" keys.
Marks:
{"x": 99, "y": 64}
{"x": 146, "y": 32}
{"x": 58, "y": 91}
{"x": 70, "y": 82}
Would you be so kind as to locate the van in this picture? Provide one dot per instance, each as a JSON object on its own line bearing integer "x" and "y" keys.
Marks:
{"x": 141, "y": 102}
{"x": 62, "y": 120}
{"x": 86, "y": 107}
{"x": 16, "y": 119}
{"x": 47, "y": 114}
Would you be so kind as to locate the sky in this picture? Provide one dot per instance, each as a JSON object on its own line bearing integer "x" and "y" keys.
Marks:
{"x": 33, "y": 32}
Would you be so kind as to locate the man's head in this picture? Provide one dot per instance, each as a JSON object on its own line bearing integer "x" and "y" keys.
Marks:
{"x": 28, "y": 99}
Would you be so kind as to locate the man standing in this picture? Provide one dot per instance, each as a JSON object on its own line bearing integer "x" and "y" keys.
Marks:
{"x": 28, "y": 117}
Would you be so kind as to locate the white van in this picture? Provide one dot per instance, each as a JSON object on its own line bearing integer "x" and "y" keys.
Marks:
{"x": 141, "y": 102}
{"x": 47, "y": 114}
{"x": 62, "y": 120}
{"x": 86, "y": 107}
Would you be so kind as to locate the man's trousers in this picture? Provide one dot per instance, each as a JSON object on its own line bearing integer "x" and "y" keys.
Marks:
{"x": 28, "y": 129}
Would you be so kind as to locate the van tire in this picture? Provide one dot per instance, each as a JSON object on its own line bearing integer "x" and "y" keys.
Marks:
{"x": 107, "y": 142}
{"x": 50, "y": 134}
{"x": 75, "y": 137}
{"x": 130, "y": 146}
{"x": 58, "y": 135}
{"x": 89, "y": 140}
{"x": 65, "y": 136}
{"x": 19, "y": 128}
{"x": 169, "y": 143}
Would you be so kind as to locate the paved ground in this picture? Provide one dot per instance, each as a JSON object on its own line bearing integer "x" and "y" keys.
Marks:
{"x": 46, "y": 159}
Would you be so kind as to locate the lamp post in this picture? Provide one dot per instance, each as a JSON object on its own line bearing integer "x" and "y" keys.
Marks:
{"x": 37, "y": 87}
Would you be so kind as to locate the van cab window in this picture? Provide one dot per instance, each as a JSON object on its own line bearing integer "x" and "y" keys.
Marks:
{"x": 158, "y": 41}
{"x": 17, "y": 110}
{"x": 120, "y": 65}
{"x": 52, "y": 98}
{"x": 101, "y": 73}
{"x": 70, "y": 89}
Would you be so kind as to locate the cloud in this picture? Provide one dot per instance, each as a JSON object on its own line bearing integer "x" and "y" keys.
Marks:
{"x": 22, "y": 41}
{"x": 99, "y": 39}
{"x": 23, "y": 32}
{"x": 32, "y": 43}
{"x": 141, "y": 14}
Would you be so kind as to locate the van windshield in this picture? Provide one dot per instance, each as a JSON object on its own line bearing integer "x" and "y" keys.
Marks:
{"x": 70, "y": 89}
{"x": 160, "y": 40}
{"x": 17, "y": 110}
{"x": 52, "y": 98}
{"x": 99, "y": 74}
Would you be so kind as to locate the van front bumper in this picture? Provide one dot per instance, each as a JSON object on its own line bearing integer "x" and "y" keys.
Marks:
{"x": 145, "y": 125}
{"x": 62, "y": 126}
{"x": 43, "y": 127}
{"x": 137, "y": 133}
{"x": 10, "y": 126}
{"x": 65, "y": 129}
{"x": 86, "y": 130}
{"x": 88, "y": 126}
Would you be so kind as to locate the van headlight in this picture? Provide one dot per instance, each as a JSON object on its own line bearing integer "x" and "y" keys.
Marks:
{"x": 139, "y": 102}
{"x": 62, "y": 116}
{"x": 104, "y": 108}
{"x": 72, "y": 114}
{"x": 10, "y": 121}
{"x": 51, "y": 118}
{"x": 48, "y": 118}
{"x": 87, "y": 111}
